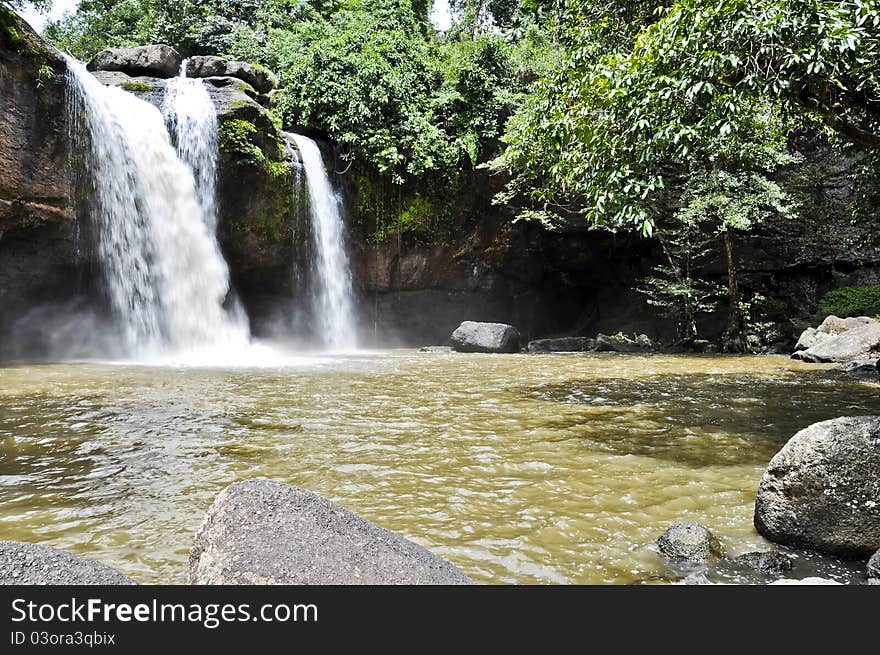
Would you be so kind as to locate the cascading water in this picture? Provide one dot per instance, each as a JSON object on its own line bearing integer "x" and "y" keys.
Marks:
{"x": 334, "y": 305}
{"x": 192, "y": 121}
{"x": 166, "y": 278}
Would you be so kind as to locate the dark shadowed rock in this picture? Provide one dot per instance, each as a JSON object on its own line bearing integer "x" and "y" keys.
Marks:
{"x": 822, "y": 490}
{"x": 473, "y": 337}
{"x": 840, "y": 340}
{"x": 623, "y": 344}
{"x": 150, "y": 60}
{"x": 689, "y": 542}
{"x": 264, "y": 532}
{"x": 770, "y": 563}
{"x": 32, "y": 564}
{"x": 562, "y": 345}
{"x": 874, "y": 567}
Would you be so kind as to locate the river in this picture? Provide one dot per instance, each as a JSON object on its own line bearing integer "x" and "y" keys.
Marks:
{"x": 517, "y": 468}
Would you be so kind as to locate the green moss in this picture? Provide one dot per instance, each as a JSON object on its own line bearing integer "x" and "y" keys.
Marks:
{"x": 137, "y": 87}
{"x": 852, "y": 301}
{"x": 239, "y": 139}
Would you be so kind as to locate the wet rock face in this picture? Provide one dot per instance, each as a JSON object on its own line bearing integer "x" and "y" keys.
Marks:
{"x": 822, "y": 490}
{"x": 150, "y": 60}
{"x": 38, "y": 250}
{"x": 474, "y": 337}
{"x": 689, "y": 542}
{"x": 32, "y": 564}
{"x": 263, "y": 532}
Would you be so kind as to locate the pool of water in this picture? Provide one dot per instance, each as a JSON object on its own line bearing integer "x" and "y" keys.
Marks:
{"x": 517, "y": 468}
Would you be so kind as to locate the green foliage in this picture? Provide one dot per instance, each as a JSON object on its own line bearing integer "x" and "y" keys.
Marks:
{"x": 852, "y": 301}
{"x": 238, "y": 138}
{"x": 136, "y": 87}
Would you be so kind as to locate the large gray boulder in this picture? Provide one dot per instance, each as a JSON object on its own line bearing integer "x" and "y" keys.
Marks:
{"x": 840, "y": 340}
{"x": 264, "y": 532}
{"x": 473, "y": 337}
{"x": 822, "y": 490}
{"x": 262, "y": 79}
{"x": 33, "y": 564}
{"x": 149, "y": 60}
{"x": 689, "y": 542}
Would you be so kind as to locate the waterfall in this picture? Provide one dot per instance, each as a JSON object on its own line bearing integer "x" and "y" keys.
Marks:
{"x": 165, "y": 276}
{"x": 192, "y": 121}
{"x": 333, "y": 297}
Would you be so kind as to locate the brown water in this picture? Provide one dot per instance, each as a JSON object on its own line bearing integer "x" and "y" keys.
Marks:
{"x": 517, "y": 468}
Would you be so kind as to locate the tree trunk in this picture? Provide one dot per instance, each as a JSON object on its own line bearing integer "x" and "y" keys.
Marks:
{"x": 733, "y": 337}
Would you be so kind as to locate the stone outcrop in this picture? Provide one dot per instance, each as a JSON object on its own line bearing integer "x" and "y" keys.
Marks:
{"x": 475, "y": 337}
{"x": 689, "y": 542}
{"x": 263, "y": 532}
{"x": 32, "y": 564}
{"x": 874, "y": 567}
{"x": 822, "y": 490}
{"x": 840, "y": 340}
{"x": 157, "y": 60}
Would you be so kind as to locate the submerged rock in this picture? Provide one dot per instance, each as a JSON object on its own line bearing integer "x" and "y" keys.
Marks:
{"x": 770, "y": 563}
{"x": 840, "y": 340}
{"x": 33, "y": 564}
{"x": 264, "y": 532}
{"x": 562, "y": 345}
{"x": 689, "y": 542}
{"x": 151, "y": 60}
{"x": 473, "y": 337}
{"x": 862, "y": 365}
{"x": 435, "y": 349}
{"x": 822, "y": 490}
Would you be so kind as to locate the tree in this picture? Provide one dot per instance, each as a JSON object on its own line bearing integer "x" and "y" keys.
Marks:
{"x": 700, "y": 90}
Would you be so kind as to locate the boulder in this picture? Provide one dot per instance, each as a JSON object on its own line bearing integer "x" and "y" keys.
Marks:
{"x": 840, "y": 340}
{"x": 822, "y": 490}
{"x": 623, "y": 344}
{"x": 33, "y": 564}
{"x": 874, "y": 566}
{"x": 473, "y": 337}
{"x": 808, "y": 339}
{"x": 260, "y": 78}
{"x": 205, "y": 66}
{"x": 264, "y": 532}
{"x": 689, "y": 542}
{"x": 150, "y": 60}
{"x": 770, "y": 563}
{"x": 562, "y": 345}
